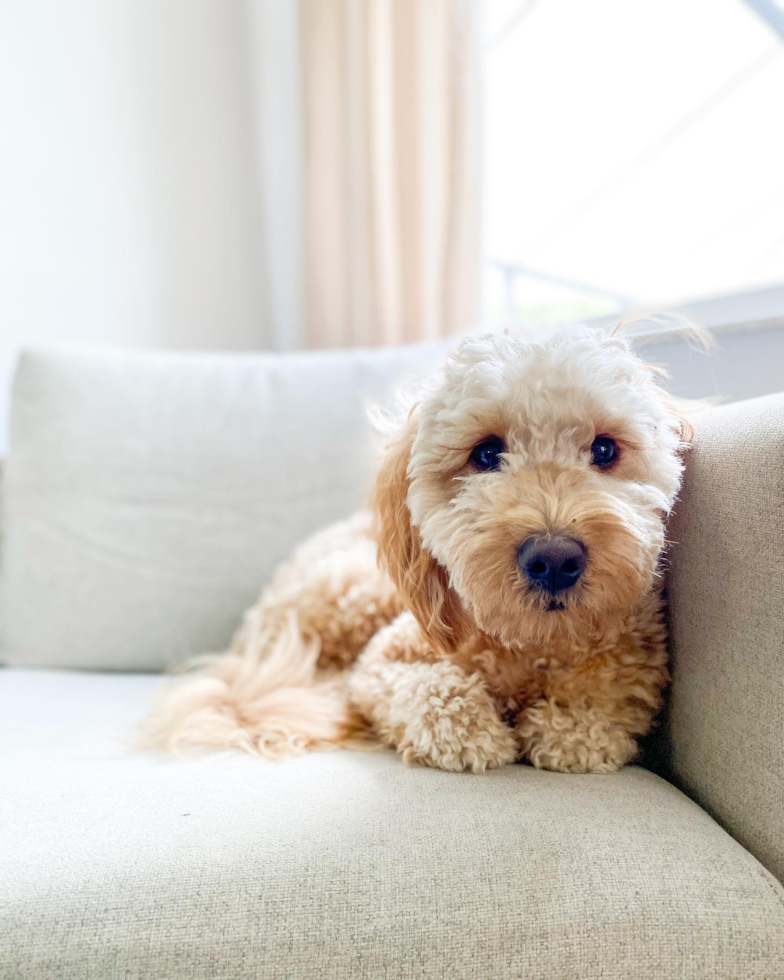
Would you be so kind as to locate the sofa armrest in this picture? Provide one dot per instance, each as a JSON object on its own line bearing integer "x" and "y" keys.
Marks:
{"x": 726, "y": 714}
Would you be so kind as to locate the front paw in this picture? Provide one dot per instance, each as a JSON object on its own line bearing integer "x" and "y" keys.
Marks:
{"x": 454, "y": 725}
{"x": 576, "y": 740}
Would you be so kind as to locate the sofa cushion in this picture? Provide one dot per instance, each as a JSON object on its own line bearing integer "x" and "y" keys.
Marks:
{"x": 344, "y": 865}
{"x": 148, "y": 497}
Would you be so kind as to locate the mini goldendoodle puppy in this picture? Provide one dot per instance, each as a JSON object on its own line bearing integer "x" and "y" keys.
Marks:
{"x": 501, "y": 603}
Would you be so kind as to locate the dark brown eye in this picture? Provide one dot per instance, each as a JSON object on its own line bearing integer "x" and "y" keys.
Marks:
{"x": 485, "y": 456}
{"x": 604, "y": 452}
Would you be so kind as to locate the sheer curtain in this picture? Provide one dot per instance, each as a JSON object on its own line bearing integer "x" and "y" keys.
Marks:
{"x": 390, "y": 130}
{"x": 254, "y": 174}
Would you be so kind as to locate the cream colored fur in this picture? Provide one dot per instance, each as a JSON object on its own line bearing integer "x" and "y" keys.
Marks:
{"x": 414, "y": 625}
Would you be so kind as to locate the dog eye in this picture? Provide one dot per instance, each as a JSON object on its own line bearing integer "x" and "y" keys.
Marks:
{"x": 485, "y": 455}
{"x": 604, "y": 452}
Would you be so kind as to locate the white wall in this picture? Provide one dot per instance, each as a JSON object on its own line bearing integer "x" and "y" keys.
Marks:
{"x": 138, "y": 203}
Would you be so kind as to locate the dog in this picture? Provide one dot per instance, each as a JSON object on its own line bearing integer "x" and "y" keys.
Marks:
{"x": 501, "y": 602}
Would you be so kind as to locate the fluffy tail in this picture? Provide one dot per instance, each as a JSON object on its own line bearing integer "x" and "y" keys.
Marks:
{"x": 266, "y": 698}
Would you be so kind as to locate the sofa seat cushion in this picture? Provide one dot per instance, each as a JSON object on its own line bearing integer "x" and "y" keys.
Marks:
{"x": 343, "y": 865}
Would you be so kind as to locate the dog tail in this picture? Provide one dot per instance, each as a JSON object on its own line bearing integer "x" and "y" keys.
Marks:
{"x": 265, "y": 697}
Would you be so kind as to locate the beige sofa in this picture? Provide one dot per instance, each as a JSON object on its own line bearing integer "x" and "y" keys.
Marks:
{"x": 130, "y": 540}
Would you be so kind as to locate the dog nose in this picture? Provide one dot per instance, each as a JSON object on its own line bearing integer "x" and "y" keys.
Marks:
{"x": 552, "y": 564}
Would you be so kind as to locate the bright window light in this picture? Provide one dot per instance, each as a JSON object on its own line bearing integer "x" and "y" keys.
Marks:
{"x": 634, "y": 154}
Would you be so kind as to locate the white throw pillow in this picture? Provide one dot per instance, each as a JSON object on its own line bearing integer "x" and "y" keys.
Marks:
{"x": 148, "y": 497}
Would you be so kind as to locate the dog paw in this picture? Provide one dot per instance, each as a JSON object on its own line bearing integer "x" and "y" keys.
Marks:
{"x": 572, "y": 740}
{"x": 457, "y": 730}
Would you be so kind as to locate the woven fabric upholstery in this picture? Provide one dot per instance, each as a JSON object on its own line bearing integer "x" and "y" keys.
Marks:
{"x": 727, "y": 619}
{"x": 349, "y": 865}
{"x": 148, "y": 497}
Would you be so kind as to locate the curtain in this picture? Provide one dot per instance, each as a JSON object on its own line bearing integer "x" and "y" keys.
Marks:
{"x": 390, "y": 142}
{"x": 258, "y": 174}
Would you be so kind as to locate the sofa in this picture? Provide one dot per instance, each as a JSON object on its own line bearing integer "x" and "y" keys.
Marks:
{"x": 145, "y": 500}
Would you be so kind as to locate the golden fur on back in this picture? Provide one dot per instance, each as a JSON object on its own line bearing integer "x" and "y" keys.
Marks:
{"x": 416, "y": 626}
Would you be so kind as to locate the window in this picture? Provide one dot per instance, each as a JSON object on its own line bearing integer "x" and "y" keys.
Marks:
{"x": 634, "y": 155}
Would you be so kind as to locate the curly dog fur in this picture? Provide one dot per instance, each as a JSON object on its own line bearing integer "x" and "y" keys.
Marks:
{"x": 418, "y": 624}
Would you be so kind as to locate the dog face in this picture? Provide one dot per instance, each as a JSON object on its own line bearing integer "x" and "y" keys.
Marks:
{"x": 527, "y": 494}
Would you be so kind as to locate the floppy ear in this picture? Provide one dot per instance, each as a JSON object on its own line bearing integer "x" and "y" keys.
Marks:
{"x": 422, "y": 582}
{"x": 699, "y": 339}
{"x": 679, "y": 409}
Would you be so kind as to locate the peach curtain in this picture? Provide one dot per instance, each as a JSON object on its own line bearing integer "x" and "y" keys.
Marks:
{"x": 390, "y": 198}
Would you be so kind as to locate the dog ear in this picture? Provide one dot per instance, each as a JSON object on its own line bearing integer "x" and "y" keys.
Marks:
{"x": 680, "y": 411}
{"x": 697, "y": 338}
{"x": 423, "y": 583}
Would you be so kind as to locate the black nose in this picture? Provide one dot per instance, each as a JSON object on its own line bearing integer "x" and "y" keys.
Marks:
{"x": 552, "y": 564}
